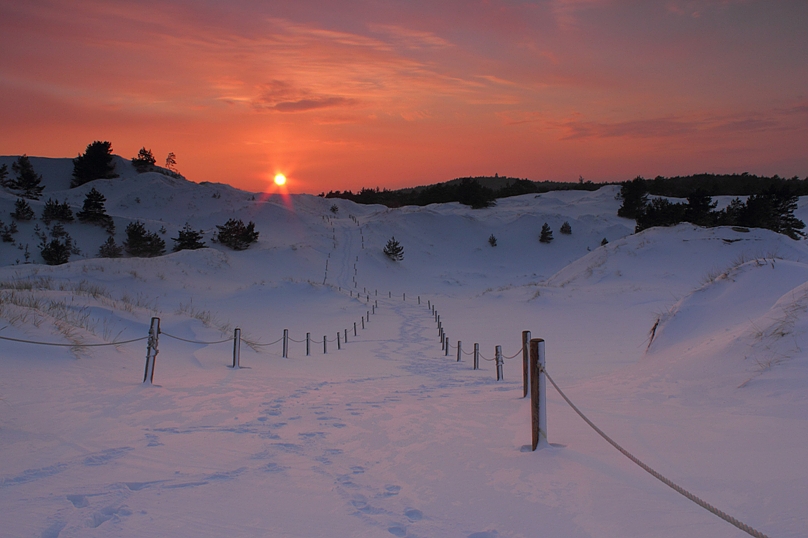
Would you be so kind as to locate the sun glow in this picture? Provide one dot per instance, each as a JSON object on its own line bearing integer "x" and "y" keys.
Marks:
{"x": 280, "y": 179}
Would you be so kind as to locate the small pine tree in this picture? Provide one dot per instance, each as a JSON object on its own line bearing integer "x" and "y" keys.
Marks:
{"x": 22, "y": 211}
{"x": 492, "y": 240}
{"x": 95, "y": 163}
{"x": 144, "y": 161}
{"x": 188, "y": 239}
{"x": 4, "y": 182}
{"x": 394, "y": 250}
{"x": 94, "y": 212}
{"x": 566, "y": 229}
{"x": 7, "y": 231}
{"x": 236, "y": 235}
{"x": 28, "y": 182}
{"x": 334, "y": 209}
{"x": 110, "y": 249}
{"x": 604, "y": 242}
{"x": 56, "y": 251}
{"x": 171, "y": 162}
{"x": 142, "y": 243}
{"x": 53, "y": 210}
{"x": 546, "y": 235}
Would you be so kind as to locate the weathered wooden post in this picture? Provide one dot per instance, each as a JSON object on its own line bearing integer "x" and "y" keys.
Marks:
{"x": 363, "y": 323}
{"x": 390, "y": 294}
{"x": 498, "y": 357}
{"x": 325, "y": 345}
{"x": 429, "y": 304}
{"x": 339, "y": 346}
{"x": 476, "y": 356}
{"x": 346, "y": 336}
{"x": 419, "y": 299}
{"x": 308, "y": 344}
{"x": 403, "y": 296}
{"x": 538, "y": 393}
{"x": 446, "y": 347}
{"x": 368, "y": 314}
{"x": 373, "y": 310}
{"x": 151, "y": 350}
{"x": 376, "y": 303}
{"x": 440, "y": 336}
{"x": 237, "y": 349}
{"x": 354, "y": 328}
{"x": 458, "y": 350}
{"x": 286, "y": 343}
{"x": 525, "y": 362}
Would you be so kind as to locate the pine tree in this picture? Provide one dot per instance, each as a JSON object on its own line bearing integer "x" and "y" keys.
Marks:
{"x": 93, "y": 211}
{"x": 546, "y": 235}
{"x": 53, "y": 210}
{"x": 95, "y": 163}
{"x": 492, "y": 240}
{"x": 604, "y": 242}
{"x": 635, "y": 197}
{"x": 236, "y": 235}
{"x": 28, "y": 182}
{"x": 394, "y": 250}
{"x": 110, "y": 249}
{"x": 144, "y": 161}
{"x": 4, "y": 182}
{"x": 188, "y": 239}
{"x": 171, "y": 162}
{"x": 142, "y": 243}
{"x": 56, "y": 251}
{"x": 22, "y": 211}
{"x": 566, "y": 229}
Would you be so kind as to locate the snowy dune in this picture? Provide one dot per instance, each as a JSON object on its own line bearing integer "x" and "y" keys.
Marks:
{"x": 388, "y": 436}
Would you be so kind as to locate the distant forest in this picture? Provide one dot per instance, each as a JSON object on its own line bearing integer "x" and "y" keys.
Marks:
{"x": 483, "y": 191}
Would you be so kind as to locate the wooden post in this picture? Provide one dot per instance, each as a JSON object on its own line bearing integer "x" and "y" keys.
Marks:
{"x": 325, "y": 345}
{"x": 442, "y": 341}
{"x": 458, "y": 350}
{"x": 286, "y": 343}
{"x": 525, "y": 362}
{"x": 538, "y": 393}
{"x": 339, "y": 346}
{"x": 390, "y": 294}
{"x": 346, "y": 336}
{"x": 236, "y": 349}
{"x": 373, "y": 310}
{"x": 498, "y": 357}
{"x": 368, "y": 314}
{"x": 308, "y": 344}
{"x": 376, "y": 303}
{"x": 429, "y": 304}
{"x": 363, "y": 323}
{"x": 446, "y": 347}
{"x": 151, "y": 350}
{"x": 476, "y": 356}
{"x": 403, "y": 296}
{"x": 419, "y": 299}
{"x": 354, "y": 328}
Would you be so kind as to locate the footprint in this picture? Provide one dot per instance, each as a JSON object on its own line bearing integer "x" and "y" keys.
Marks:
{"x": 79, "y": 501}
{"x": 357, "y": 469}
{"x": 395, "y": 530}
{"x": 106, "y": 456}
{"x": 105, "y": 514}
{"x": 413, "y": 514}
{"x": 391, "y": 490}
{"x": 153, "y": 440}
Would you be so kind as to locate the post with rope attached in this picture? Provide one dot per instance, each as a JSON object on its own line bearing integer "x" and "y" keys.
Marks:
{"x": 308, "y": 344}
{"x": 538, "y": 393}
{"x": 354, "y": 328}
{"x": 286, "y": 343}
{"x": 325, "y": 345}
{"x": 339, "y": 346}
{"x": 459, "y": 347}
{"x": 236, "y": 349}
{"x": 151, "y": 350}
{"x": 498, "y": 358}
{"x": 345, "y": 340}
{"x": 446, "y": 347}
{"x": 476, "y": 356}
{"x": 363, "y": 324}
{"x": 525, "y": 362}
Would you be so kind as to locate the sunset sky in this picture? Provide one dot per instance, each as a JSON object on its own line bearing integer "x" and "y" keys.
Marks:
{"x": 340, "y": 95}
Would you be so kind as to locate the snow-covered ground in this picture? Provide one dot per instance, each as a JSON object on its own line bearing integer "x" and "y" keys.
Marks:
{"x": 387, "y": 435}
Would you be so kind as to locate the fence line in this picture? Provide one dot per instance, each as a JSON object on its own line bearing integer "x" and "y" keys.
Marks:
{"x": 73, "y": 345}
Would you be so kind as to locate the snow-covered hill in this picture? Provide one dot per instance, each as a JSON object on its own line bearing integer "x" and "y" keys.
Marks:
{"x": 684, "y": 344}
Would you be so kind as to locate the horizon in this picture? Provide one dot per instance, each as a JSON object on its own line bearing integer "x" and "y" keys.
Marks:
{"x": 341, "y": 97}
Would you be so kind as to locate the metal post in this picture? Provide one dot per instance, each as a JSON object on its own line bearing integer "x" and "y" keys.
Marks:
{"x": 308, "y": 344}
{"x": 525, "y": 361}
{"x": 285, "y": 343}
{"x": 538, "y": 393}
{"x": 476, "y": 356}
{"x": 446, "y": 347}
{"x": 354, "y": 328}
{"x": 237, "y": 349}
{"x": 325, "y": 345}
{"x": 459, "y": 345}
{"x": 151, "y": 350}
{"x": 498, "y": 355}
{"x": 339, "y": 346}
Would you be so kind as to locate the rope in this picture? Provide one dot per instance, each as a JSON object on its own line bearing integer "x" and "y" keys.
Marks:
{"x": 197, "y": 341}
{"x": 678, "y": 489}
{"x": 489, "y": 360}
{"x": 295, "y": 341}
{"x": 74, "y": 345}
{"x": 514, "y": 355}
{"x": 269, "y": 344}
{"x": 468, "y": 352}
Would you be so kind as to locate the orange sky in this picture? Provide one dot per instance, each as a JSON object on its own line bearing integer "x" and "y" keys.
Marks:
{"x": 341, "y": 95}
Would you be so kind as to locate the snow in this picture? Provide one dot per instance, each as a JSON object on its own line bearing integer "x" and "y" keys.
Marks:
{"x": 388, "y": 436}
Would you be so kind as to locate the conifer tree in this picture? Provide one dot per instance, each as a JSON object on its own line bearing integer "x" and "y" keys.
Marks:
{"x": 566, "y": 229}
{"x": 394, "y": 250}
{"x": 142, "y": 243}
{"x": 492, "y": 240}
{"x": 188, "y": 239}
{"x": 4, "y": 182}
{"x": 144, "y": 161}
{"x": 56, "y": 251}
{"x": 94, "y": 212}
{"x": 95, "y": 163}
{"x": 236, "y": 235}
{"x": 22, "y": 211}
{"x": 28, "y": 182}
{"x": 546, "y": 235}
{"x": 53, "y": 210}
{"x": 604, "y": 242}
{"x": 110, "y": 249}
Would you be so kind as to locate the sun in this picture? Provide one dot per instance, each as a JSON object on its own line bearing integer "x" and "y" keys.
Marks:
{"x": 280, "y": 179}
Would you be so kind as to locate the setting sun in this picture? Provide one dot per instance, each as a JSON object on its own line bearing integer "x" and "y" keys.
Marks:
{"x": 280, "y": 179}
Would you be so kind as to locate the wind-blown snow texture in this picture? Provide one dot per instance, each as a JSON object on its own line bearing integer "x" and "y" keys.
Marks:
{"x": 387, "y": 436}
